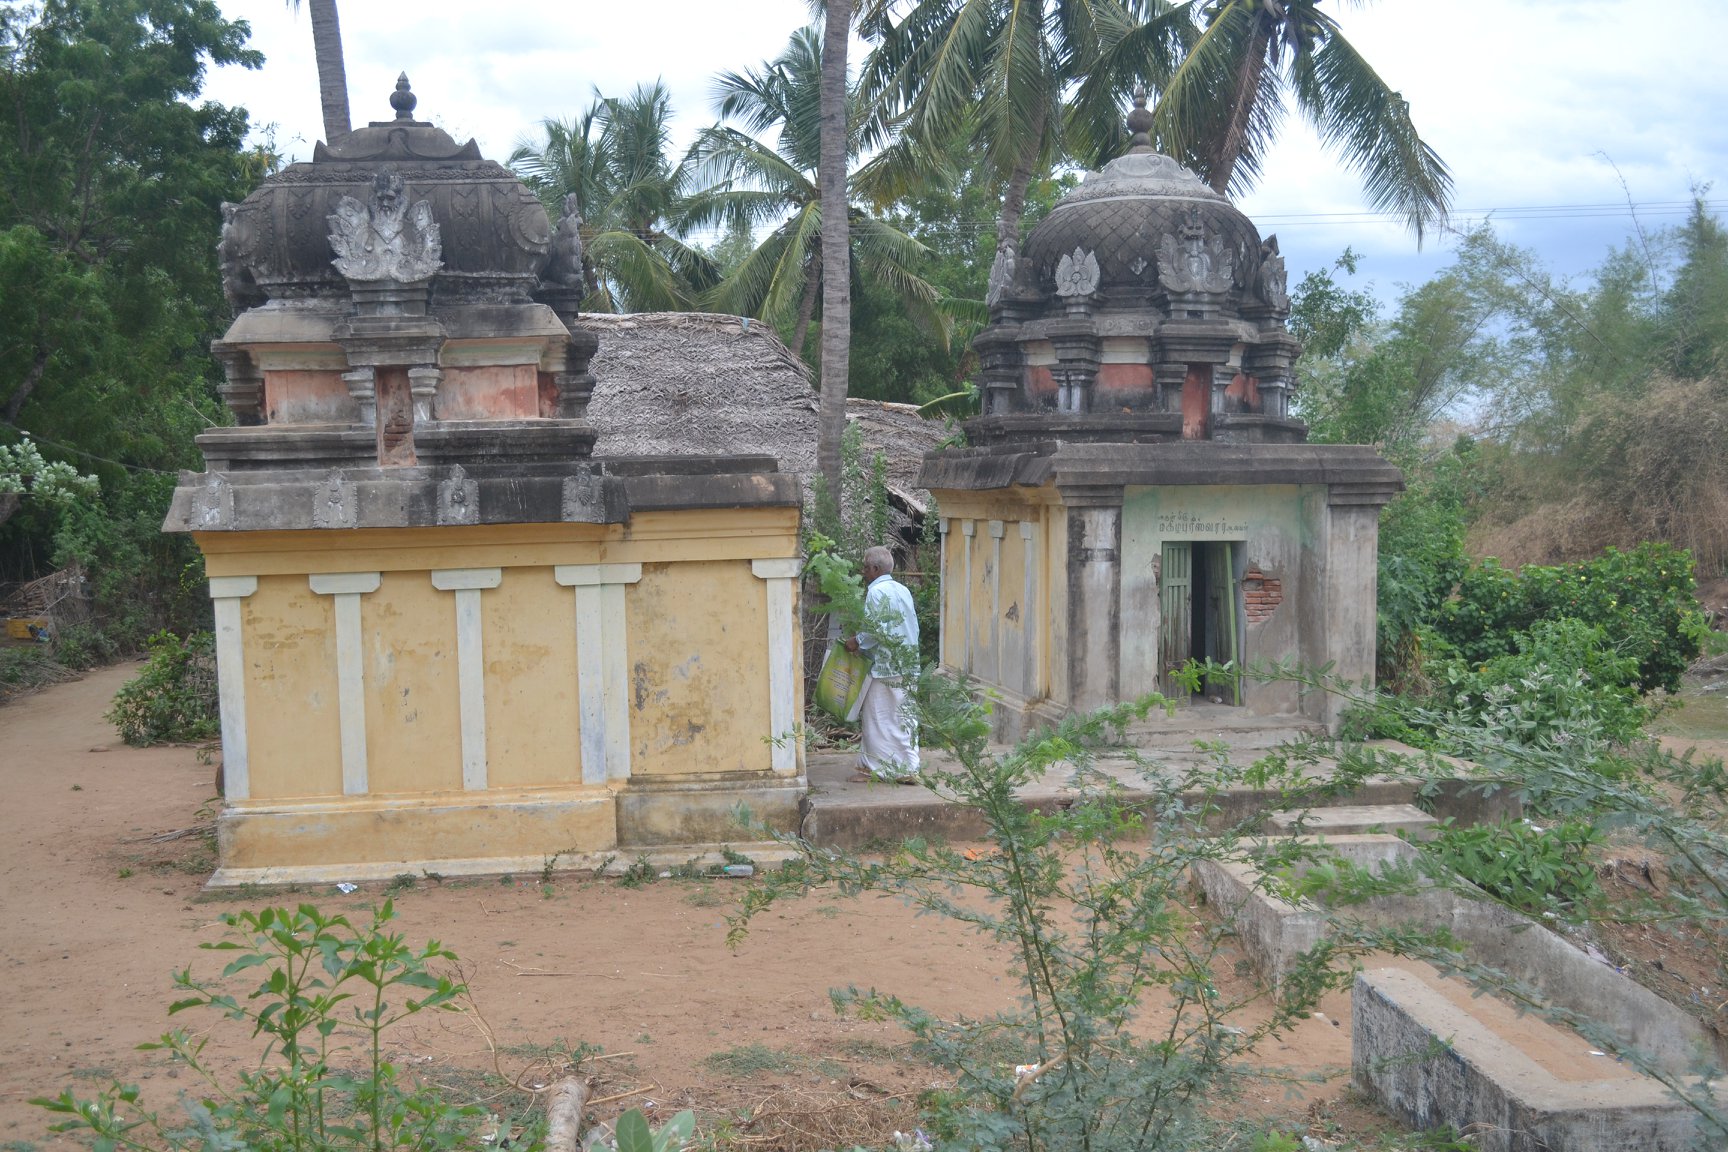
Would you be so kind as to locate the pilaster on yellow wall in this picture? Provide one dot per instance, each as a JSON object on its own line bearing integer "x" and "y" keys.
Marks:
{"x": 996, "y": 565}
{"x": 413, "y": 710}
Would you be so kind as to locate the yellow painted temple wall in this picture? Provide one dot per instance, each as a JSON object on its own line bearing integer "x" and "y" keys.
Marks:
{"x": 397, "y": 698}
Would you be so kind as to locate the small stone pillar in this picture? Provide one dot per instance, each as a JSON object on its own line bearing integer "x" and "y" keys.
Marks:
{"x": 1094, "y": 594}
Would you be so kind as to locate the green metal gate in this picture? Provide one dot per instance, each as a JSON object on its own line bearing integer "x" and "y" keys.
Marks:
{"x": 1175, "y": 606}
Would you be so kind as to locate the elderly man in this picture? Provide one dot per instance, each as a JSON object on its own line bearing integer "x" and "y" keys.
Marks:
{"x": 890, "y": 635}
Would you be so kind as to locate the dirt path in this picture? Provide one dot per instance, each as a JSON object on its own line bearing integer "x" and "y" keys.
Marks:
{"x": 96, "y": 917}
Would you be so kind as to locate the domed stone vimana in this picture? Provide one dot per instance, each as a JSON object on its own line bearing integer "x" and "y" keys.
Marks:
{"x": 449, "y": 636}
{"x": 1136, "y": 493}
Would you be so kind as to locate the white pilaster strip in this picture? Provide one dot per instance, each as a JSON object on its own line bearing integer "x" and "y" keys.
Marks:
{"x": 942, "y": 600}
{"x": 602, "y": 666}
{"x": 780, "y": 575}
{"x": 226, "y": 592}
{"x": 468, "y": 583}
{"x": 347, "y": 588}
{"x": 968, "y": 529}
{"x": 996, "y": 528}
{"x": 1031, "y": 623}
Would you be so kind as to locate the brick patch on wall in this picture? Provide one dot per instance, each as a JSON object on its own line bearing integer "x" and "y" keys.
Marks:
{"x": 1261, "y": 594}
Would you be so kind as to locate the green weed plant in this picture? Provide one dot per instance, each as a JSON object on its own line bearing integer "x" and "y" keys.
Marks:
{"x": 327, "y": 993}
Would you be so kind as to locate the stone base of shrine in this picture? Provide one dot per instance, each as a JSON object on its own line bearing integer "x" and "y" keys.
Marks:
{"x": 371, "y": 838}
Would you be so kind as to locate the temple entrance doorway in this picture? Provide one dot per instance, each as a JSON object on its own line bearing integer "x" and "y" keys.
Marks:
{"x": 1201, "y": 612}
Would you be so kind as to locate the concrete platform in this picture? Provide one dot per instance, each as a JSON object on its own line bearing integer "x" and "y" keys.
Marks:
{"x": 840, "y": 814}
{"x": 837, "y": 813}
{"x": 1434, "y": 1052}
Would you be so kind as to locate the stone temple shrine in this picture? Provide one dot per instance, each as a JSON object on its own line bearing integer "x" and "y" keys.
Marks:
{"x": 448, "y": 638}
{"x": 1136, "y": 492}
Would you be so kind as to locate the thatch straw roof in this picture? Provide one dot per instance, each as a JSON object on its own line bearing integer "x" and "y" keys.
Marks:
{"x": 694, "y": 383}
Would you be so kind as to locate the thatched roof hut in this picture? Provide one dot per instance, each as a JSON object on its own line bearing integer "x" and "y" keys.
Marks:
{"x": 696, "y": 383}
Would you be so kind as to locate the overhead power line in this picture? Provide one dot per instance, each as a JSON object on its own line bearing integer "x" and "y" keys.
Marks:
{"x": 1630, "y": 211}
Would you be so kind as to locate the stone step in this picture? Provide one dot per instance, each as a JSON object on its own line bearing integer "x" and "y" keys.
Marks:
{"x": 1497, "y": 1075}
{"x": 1217, "y": 724}
{"x": 1430, "y": 1053}
{"x": 1353, "y": 819}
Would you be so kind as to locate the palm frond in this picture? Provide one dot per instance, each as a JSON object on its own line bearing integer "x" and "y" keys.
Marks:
{"x": 1194, "y": 106}
{"x": 769, "y": 283}
{"x": 727, "y": 156}
{"x": 1370, "y": 126}
{"x": 635, "y": 276}
{"x": 883, "y": 253}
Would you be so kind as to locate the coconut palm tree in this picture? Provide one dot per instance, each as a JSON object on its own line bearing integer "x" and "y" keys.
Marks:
{"x": 613, "y": 159}
{"x": 1025, "y": 82}
{"x": 753, "y": 184}
{"x": 1223, "y": 105}
{"x": 833, "y": 138}
{"x": 332, "y": 73}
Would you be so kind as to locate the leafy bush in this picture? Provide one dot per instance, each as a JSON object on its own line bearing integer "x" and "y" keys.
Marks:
{"x": 174, "y": 698}
{"x": 1422, "y": 556}
{"x": 1562, "y": 670}
{"x": 1644, "y": 600}
{"x": 143, "y": 580}
{"x": 328, "y": 994}
{"x": 1528, "y": 867}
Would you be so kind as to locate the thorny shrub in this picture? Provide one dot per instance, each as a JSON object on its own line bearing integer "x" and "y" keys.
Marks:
{"x": 1092, "y": 903}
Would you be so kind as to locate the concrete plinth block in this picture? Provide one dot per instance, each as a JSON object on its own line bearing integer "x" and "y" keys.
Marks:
{"x": 658, "y": 815}
{"x": 1351, "y": 819}
{"x": 1430, "y": 1063}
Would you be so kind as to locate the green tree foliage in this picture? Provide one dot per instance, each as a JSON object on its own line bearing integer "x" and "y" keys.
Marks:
{"x": 112, "y": 175}
{"x": 1603, "y": 406}
{"x": 1021, "y": 84}
{"x": 24, "y": 473}
{"x": 1599, "y": 415}
{"x": 614, "y": 159}
{"x": 751, "y": 184}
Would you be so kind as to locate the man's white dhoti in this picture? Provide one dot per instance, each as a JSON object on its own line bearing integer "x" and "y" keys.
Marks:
{"x": 890, "y": 738}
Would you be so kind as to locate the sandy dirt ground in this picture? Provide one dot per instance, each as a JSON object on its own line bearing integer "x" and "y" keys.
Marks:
{"x": 96, "y": 915}
{"x": 97, "y": 910}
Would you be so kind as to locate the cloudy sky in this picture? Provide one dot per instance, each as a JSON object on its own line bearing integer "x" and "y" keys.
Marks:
{"x": 1554, "y": 115}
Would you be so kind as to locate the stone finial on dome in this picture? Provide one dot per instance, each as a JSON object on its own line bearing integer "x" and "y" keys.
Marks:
{"x": 1140, "y": 121}
{"x": 403, "y": 99}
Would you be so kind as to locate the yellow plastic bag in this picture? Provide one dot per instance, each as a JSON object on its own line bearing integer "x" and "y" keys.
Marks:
{"x": 840, "y": 684}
